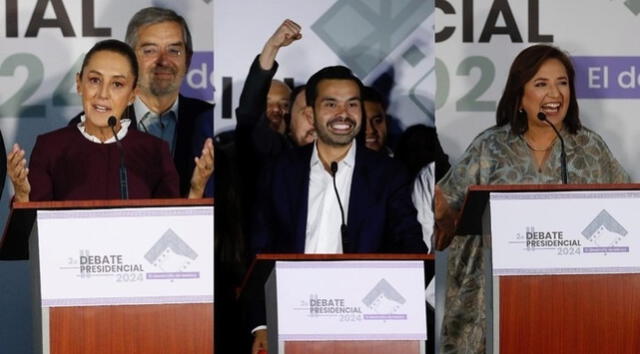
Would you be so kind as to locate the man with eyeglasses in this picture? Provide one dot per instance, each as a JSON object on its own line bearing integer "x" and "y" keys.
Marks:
{"x": 162, "y": 43}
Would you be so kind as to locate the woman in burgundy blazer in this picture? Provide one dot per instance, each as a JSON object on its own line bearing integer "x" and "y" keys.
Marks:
{"x": 83, "y": 161}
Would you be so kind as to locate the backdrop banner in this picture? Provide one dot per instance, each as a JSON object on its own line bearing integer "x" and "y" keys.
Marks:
{"x": 388, "y": 44}
{"x": 478, "y": 40}
{"x": 43, "y": 44}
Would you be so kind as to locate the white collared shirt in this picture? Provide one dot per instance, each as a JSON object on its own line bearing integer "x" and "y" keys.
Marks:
{"x": 323, "y": 212}
{"x": 422, "y": 198}
{"x": 124, "y": 128}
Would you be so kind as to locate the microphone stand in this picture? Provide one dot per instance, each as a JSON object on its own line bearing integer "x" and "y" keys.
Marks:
{"x": 124, "y": 185}
{"x": 563, "y": 156}
{"x": 346, "y": 246}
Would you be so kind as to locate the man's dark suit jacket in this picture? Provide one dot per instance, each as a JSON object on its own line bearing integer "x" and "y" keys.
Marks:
{"x": 381, "y": 217}
{"x": 255, "y": 142}
{"x": 3, "y": 162}
{"x": 195, "y": 125}
{"x": 255, "y": 139}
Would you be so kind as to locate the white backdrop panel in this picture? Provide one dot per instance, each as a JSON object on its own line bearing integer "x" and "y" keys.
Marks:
{"x": 371, "y": 37}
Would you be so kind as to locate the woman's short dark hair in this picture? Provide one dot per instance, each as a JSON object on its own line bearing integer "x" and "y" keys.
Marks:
{"x": 115, "y": 46}
{"x": 523, "y": 69}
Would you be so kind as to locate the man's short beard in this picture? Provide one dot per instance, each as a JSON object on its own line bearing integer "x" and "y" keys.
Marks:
{"x": 161, "y": 88}
{"x": 158, "y": 90}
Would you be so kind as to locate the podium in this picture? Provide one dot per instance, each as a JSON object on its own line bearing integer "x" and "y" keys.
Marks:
{"x": 137, "y": 308}
{"x": 576, "y": 288}
{"x": 297, "y": 318}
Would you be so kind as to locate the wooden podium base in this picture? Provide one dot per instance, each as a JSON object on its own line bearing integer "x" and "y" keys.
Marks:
{"x": 144, "y": 329}
{"x": 570, "y": 314}
{"x": 353, "y": 347}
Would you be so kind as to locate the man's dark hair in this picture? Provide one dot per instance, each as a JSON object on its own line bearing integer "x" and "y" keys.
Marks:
{"x": 292, "y": 97}
{"x": 372, "y": 95}
{"x": 115, "y": 46}
{"x": 153, "y": 15}
{"x": 338, "y": 72}
{"x": 418, "y": 146}
{"x": 524, "y": 68}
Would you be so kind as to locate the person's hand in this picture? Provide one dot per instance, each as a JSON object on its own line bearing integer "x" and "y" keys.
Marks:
{"x": 259, "y": 342}
{"x": 446, "y": 220}
{"x": 287, "y": 33}
{"x": 18, "y": 173}
{"x": 203, "y": 170}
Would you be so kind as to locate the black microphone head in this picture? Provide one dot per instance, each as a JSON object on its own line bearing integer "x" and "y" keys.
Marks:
{"x": 112, "y": 121}
{"x": 334, "y": 167}
{"x": 541, "y": 116}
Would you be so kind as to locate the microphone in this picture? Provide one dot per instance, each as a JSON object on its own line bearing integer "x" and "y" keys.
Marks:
{"x": 563, "y": 155}
{"x": 346, "y": 246}
{"x": 124, "y": 185}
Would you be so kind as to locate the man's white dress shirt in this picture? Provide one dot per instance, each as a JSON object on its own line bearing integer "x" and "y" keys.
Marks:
{"x": 323, "y": 212}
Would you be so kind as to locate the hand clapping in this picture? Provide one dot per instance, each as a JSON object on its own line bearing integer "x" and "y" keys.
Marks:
{"x": 203, "y": 170}
{"x": 18, "y": 173}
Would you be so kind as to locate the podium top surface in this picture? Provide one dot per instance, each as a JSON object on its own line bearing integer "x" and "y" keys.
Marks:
{"x": 14, "y": 244}
{"x": 345, "y": 257}
{"x": 111, "y": 203}
{"x": 478, "y": 195}
{"x": 263, "y": 262}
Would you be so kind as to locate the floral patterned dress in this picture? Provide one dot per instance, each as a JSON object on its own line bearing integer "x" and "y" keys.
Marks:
{"x": 497, "y": 156}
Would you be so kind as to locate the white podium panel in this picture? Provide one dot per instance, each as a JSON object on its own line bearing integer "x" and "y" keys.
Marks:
{"x": 350, "y": 300}
{"x": 565, "y": 232}
{"x": 126, "y": 256}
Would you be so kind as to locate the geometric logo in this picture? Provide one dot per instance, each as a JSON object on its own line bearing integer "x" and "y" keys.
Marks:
{"x": 383, "y": 298}
{"x": 604, "y": 230}
{"x": 364, "y": 33}
{"x": 171, "y": 254}
{"x": 633, "y": 6}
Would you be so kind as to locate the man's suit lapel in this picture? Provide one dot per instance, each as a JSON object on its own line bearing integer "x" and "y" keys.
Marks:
{"x": 183, "y": 149}
{"x": 360, "y": 198}
{"x": 300, "y": 196}
{"x": 181, "y": 154}
{"x": 132, "y": 116}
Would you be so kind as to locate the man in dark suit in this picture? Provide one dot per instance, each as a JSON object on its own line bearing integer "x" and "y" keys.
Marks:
{"x": 269, "y": 118}
{"x": 299, "y": 211}
{"x": 162, "y": 42}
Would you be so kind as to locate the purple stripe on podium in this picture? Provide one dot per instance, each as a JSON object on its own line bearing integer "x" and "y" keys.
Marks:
{"x": 350, "y": 264}
{"x": 354, "y": 336}
{"x": 173, "y": 275}
{"x": 384, "y": 317}
{"x": 566, "y": 195}
{"x": 549, "y": 271}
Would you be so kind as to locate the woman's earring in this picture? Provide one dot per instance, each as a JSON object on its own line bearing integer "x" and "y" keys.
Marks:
{"x": 522, "y": 113}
